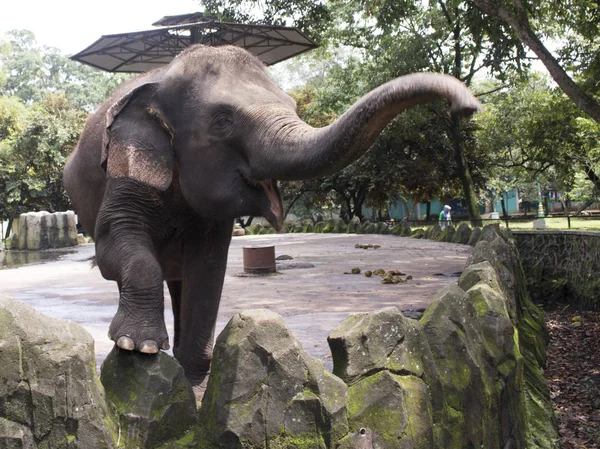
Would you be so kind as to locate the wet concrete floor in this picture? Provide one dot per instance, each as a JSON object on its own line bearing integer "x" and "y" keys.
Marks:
{"x": 313, "y": 301}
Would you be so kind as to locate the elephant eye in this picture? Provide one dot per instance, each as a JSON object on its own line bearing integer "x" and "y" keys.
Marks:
{"x": 222, "y": 123}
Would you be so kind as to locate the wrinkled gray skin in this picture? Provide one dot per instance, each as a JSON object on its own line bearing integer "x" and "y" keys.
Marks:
{"x": 164, "y": 167}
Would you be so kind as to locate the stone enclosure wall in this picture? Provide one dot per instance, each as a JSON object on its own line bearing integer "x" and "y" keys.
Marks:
{"x": 43, "y": 230}
{"x": 562, "y": 266}
{"x": 466, "y": 375}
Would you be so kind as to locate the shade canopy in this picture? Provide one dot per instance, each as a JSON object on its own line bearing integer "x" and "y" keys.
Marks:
{"x": 142, "y": 51}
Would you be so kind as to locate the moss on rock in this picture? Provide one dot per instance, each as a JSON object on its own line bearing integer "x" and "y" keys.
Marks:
{"x": 264, "y": 388}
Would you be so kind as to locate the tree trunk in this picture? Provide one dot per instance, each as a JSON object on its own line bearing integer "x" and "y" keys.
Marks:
{"x": 592, "y": 176}
{"x": 503, "y": 204}
{"x": 585, "y": 205}
{"x": 465, "y": 176}
{"x": 428, "y": 210}
{"x": 359, "y": 200}
{"x": 349, "y": 210}
{"x": 289, "y": 208}
{"x": 406, "y": 208}
{"x": 516, "y": 17}
{"x": 463, "y": 167}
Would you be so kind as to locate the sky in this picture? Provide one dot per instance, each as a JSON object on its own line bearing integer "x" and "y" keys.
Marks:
{"x": 72, "y": 25}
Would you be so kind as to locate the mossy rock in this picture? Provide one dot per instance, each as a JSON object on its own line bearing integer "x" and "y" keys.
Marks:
{"x": 435, "y": 232}
{"x": 365, "y": 343}
{"x": 468, "y": 380}
{"x": 396, "y": 408}
{"x": 462, "y": 234}
{"x": 361, "y": 227}
{"x": 353, "y": 226}
{"x": 498, "y": 250}
{"x": 385, "y": 359}
{"x": 396, "y": 230}
{"x": 330, "y": 226}
{"x": 341, "y": 228}
{"x": 308, "y": 227}
{"x": 50, "y": 394}
{"x": 266, "y": 391}
{"x": 320, "y": 227}
{"x": 474, "y": 237}
{"x": 401, "y": 228}
{"x": 369, "y": 228}
{"x": 449, "y": 234}
{"x": 417, "y": 234}
{"x": 383, "y": 228}
{"x": 293, "y": 228}
{"x": 151, "y": 396}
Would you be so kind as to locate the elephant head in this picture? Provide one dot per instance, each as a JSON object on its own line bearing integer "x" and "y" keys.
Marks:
{"x": 213, "y": 124}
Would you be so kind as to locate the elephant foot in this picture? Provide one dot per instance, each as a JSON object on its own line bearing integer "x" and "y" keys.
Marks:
{"x": 199, "y": 388}
{"x": 128, "y": 332}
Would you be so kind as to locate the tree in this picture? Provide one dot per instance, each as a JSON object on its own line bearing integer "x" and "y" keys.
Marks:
{"x": 412, "y": 159}
{"x": 395, "y": 38}
{"x": 44, "y": 101}
{"x": 576, "y": 24}
{"x": 33, "y": 155}
{"x": 533, "y": 132}
{"x": 29, "y": 71}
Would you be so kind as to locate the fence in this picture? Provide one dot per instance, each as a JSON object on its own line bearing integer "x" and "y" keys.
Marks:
{"x": 553, "y": 221}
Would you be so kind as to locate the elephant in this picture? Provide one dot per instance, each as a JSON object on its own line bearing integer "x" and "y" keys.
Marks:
{"x": 163, "y": 167}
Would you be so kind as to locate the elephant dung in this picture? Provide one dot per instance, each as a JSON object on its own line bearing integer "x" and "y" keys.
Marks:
{"x": 153, "y": 399}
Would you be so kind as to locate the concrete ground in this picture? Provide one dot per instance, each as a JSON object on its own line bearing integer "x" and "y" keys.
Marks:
{"x": 313, "y": 301}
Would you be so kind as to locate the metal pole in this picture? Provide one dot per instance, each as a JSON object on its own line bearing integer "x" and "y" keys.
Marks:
{"x": 567, "y": 209}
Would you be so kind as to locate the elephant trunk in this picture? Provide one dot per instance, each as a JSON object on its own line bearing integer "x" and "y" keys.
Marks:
{"x": 289, "y": 149}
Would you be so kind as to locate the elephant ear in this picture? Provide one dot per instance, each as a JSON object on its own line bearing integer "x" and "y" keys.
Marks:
{"x": 137, "y": 140}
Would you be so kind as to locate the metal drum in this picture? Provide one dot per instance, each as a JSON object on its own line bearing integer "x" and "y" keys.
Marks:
{"x": 259, "y": 259}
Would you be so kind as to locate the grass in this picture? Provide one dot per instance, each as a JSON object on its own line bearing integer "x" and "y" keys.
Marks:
{"x": 559, "y": 223}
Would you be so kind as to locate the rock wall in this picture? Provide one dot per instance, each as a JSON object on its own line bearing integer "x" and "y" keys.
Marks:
{"x": 468, "y": 374}
{"x": 562, "y": 266}
{"x": 43, "y": 230}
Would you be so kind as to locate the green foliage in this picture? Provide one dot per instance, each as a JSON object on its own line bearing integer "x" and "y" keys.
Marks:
{"x": 311, "y": 17}
{"x": 368, "y": 43}
{"x": 29, "y": 71}
{"x": 32, "y": 157}
{"x": 44, "y": 101}
{"x": 533, "y": 132}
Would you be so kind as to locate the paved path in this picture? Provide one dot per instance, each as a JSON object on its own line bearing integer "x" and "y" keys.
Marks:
{"x": 313, "y": 301}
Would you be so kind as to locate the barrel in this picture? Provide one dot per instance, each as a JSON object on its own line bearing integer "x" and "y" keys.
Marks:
{"x": 259, "y": 259}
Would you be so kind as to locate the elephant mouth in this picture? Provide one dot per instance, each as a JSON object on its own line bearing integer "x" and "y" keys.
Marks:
{"x": 275, "y": 213}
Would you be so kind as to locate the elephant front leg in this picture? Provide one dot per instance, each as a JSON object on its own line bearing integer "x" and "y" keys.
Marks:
{"x": 139, "y": 322}
{"x": 205, "y": 260}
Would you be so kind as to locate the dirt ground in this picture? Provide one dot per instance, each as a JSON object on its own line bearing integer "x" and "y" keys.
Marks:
{"x": 573, "y": 375}
{"x": 313, "y": 301}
